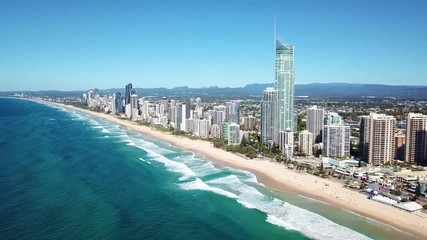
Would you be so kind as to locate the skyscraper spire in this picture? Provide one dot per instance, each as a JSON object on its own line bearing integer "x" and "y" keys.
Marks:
{"x": 275, "y": 37}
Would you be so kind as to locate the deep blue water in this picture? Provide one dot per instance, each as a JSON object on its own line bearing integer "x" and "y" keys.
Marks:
{"x": 66, "y": 175}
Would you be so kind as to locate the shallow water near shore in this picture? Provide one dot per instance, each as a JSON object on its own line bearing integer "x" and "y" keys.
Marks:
{"x": 65, "y": 174}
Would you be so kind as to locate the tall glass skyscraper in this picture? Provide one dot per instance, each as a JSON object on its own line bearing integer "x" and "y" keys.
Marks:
{"x": 284, "y": 84}
{"x": 128, "y": 93}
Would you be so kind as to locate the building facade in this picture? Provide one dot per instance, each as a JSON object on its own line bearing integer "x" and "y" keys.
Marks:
{"x": 232, "y": 112}
{"x": 377, "y": 138}
{"x": 286, "y": 143}
{"x": 128, "y": 89}
{"x": 315, "y": 119}
{"x": 416, "y": 139}
{"x": 233, "y": 134}
{"x": 336, "y": 140}
{"x": 269, "y": 116}
{"x": 284, "y": 84}
{"x": 305, "y": 140}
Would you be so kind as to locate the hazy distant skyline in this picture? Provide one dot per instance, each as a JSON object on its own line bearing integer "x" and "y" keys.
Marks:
{"x": 77, "y": 45}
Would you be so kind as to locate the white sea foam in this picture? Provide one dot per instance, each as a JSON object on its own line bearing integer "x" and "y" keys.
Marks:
{"x": 281, "y": 213}
{"x": 170, "y": 165}
{"x": 146, "y": 161}
{"x": 198, "y": 184}
{"x": 245, "y": 204}
{"x": 202, "y": 168}
{"x": 61, "y": 109}
{"x": 105, "y": 130}
{"x": 150, "y": 146}
{"x": 276, "y": 221}
{"x": 121, "y": 136}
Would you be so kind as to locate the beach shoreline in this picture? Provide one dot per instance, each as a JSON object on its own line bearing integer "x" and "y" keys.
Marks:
{"x": 279, "y": 178}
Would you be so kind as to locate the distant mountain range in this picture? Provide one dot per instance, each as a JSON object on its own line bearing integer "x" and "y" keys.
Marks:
{"x": 313, "y": 90}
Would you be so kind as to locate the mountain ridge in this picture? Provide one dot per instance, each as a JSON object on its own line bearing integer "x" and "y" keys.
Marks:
{"x": 314, "y": 90}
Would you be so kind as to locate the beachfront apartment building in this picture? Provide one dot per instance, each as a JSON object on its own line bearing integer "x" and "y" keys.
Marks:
{"x": 286, "y": 143}
{"x": 269, "y": 116}
{"x": 336, "y": 140}
{"x": 416, "y": 139}
{"x": 377, "y": 138}
{"x": 305, "y": 142}
{"x": 315, "y": 120}
{"x": 233, "y": 134}
{"x": 203, "y": 128}
{"x": 215, "y": 131}
{"x": 134, "y": 107}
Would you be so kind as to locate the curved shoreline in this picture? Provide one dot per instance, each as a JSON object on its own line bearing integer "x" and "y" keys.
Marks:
{"x": 277, "y": 177}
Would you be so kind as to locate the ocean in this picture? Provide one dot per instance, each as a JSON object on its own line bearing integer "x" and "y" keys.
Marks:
{"x": 67, "y": 175}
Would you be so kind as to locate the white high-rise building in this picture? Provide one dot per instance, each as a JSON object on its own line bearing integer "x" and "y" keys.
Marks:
{"x": 286, "y": 143}
{"x": 182, "y": 117}
{"x": 203, "y": 128}
{"x": 221, "y": 108}
{"x": 128, "y": 111}
{"x": 164, "y": 109}
{"x": 215, "y": 131}
{"x": 377, "y": 138}
{"x": 233, "y": 133}
{"x": 233, "y": 112}
{"x": 284, "y": 84}
{"x": 315, "y": 118}
{"x": 199, "y": 107}
{"x": 145, "y": 109}
{"x": 218, "y": 117}
{"x": 134, "y": 107}
{"x": 173, "y": 103}
{"x": 192, "y": 126}
{"x": 305, "y": 139}
{"x": 416, "y": 139}
{"x": 172, "y": 115}
{"x": 336, "y": 140}
{"x": 269, "y": 116}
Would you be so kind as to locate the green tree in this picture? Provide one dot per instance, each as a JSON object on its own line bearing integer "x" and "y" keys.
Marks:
{"x": 244, "y": 141}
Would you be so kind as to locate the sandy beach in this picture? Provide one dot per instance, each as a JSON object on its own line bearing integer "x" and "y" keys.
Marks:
{"x": 278, "y": 177}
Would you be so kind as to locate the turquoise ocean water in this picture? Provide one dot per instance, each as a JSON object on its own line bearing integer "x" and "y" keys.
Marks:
{"x": 66, "y": 175}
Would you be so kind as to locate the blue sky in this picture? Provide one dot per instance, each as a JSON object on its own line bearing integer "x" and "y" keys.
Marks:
{"x": 77, "y": 45}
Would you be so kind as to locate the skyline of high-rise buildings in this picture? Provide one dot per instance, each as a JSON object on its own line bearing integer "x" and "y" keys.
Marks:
{"x": 277, "y": 117}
